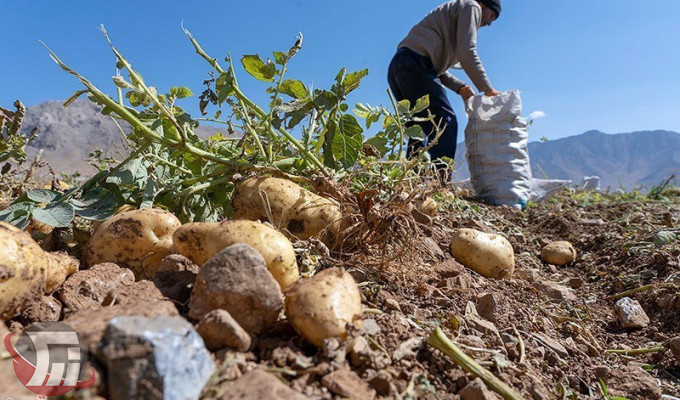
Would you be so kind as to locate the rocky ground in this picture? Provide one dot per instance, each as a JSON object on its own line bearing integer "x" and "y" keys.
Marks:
{"x": 608, "y": 321}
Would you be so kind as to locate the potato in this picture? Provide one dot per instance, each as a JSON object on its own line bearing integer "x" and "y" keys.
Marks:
{"x": 428, "y": 207}
{"x": 200, "y": 241}
{"x": 558, "y": 253}
{"x": 321, "y": 307}
{"x": 26, "y": 271}
{"x": 136, "y": 239}
{"x": 488, "y": 254}
{"x": 296, "y": 210}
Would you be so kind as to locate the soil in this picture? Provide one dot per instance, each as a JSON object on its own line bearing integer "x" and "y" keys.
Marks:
{"x": 548, "y": 332}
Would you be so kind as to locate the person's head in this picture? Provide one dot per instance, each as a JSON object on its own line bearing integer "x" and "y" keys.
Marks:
{"x": 491, "y": 9}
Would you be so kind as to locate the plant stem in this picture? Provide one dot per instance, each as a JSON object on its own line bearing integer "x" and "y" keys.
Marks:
{"x": 399, "y": 124}
{"x": 661, "y": 285}
{"x": 441, "y": 342}
{"x": 635, "y": 352}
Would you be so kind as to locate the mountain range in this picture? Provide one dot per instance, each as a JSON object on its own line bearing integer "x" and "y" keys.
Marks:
{"x": 624, "y": 160}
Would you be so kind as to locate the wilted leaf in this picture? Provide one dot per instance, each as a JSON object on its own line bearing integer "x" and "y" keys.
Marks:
{"x": 260, "y": 70}
{"x": 59, "y": 215}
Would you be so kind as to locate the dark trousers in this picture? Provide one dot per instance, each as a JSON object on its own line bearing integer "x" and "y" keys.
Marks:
{"x": 412, "y": 76}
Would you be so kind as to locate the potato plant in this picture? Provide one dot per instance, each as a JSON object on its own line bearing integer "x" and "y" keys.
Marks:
{"x": 302, "y": 134}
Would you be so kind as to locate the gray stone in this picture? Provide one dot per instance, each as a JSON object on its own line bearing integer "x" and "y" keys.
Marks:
{"x": 408, "y": 349}
{"x": 369, "y": 327}
{"x": 630, "y": 314}
{"x": 219, "y": 329}
{"x": 393, "y": 305}
{"x": 260, "y": 385}
{"x": 477, "y": 390}
{"x": 237, "y": 280}
{"x": 154, "y": 358}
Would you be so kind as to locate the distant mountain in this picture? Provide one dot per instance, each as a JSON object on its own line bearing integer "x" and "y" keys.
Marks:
{"x": 624, "y": 160}
{"x": 68, "y": 135}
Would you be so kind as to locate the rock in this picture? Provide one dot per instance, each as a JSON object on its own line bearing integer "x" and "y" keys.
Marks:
{"x": 175, "y": 285}
{"x": 44, "y": 309}
{"x": 408, "y": 349}
{"x": 529, "y": 275}
{"x": 219, "y": 329}
{"x": 260, "y": 385}
{"x": 91, "y": 323}
{"x": 539, "y": 392}
{"x": 449, "y": 268}
{"x": 393, "y": 305}
{"x": 360, "y": 353}
{"x": 552, "y": 344}
{"x": 477, "y": 390}
{"x": 576, "y": 283}
{"x": 369, "y": 327}
{"x": 558, "y": 253}
{"x": 674, "y": 345}
{"x": 555, "y": 291}
{"x": 630, "y": 314}
{"x": 382, "y": 383}
{"x": 178, "y": 263}
{"x": 488, "y": 306}
{"x": 139, "y": 291}
{"x": 237, "y": 280}
{"x": 631, "y": 382}
{"x": 154, "y": 358}
{"x": 95, "y": 286}
{"x": 346, "y": 383}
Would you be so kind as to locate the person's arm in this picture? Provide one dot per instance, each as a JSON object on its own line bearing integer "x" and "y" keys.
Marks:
{"x": 466, "y": 48}
{"x": 451, "y": 82}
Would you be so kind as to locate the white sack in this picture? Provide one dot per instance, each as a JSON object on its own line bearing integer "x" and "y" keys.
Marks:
{"x": 496, "y": 140}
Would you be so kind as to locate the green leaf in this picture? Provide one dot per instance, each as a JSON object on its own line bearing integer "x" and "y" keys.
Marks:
{"x": 353, "y": 79}
{"x": 404, "y": 106}
{"x": 349, "y": 126}
{"x": 59, "y": 215}
{"x": 325, "y": 100}
{"x": 665, "y": 237}
{"x": 97, "y": 204}
{"x": 346, "y": 149}
{"x": 42, "y": 195}
{"x": 18, "y": 214}
{"x": 254, "y": 65}
{"x": 421, "y": 104}
{"x": 379, "y": 142}
{"x": 414, "y": 132}
{"x": 294, "y": 89}
{"x": 180, "y": 92}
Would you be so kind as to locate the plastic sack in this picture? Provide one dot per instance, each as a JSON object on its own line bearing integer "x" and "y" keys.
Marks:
{"x": 496, "y": 140}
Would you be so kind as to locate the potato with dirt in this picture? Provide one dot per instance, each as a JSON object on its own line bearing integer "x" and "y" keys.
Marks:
{"x": 135, "y": 239}
{"x": 294, "y": 209}
{"x": 200, "y": 241}
{"x": 488, "y": 254}
{"x": 26, "y": 271}
{"x": 558, "y": 253}
{"x": 320, "y": 307}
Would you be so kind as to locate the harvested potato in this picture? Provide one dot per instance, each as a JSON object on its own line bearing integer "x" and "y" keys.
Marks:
{"x": 136, "y": 239}
{"x": 119, "y": 210}
{"x": 558, "y": 253}
{"x": 321, "y": 307}
{"x": 26, "y": 271}
{"x": 200, "y": 241}
{"x": 488, "y": 254}
{"x": 294, "y": 209}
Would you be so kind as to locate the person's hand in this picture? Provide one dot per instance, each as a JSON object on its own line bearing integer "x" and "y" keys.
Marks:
{"x": 492, "y": 92}
{"x": 466, "y": 92}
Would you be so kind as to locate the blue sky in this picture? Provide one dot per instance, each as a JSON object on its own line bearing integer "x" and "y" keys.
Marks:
{"x": 611, "y": 66}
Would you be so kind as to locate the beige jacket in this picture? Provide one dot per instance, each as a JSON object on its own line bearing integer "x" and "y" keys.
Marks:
{"x": 447, "y": 35}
